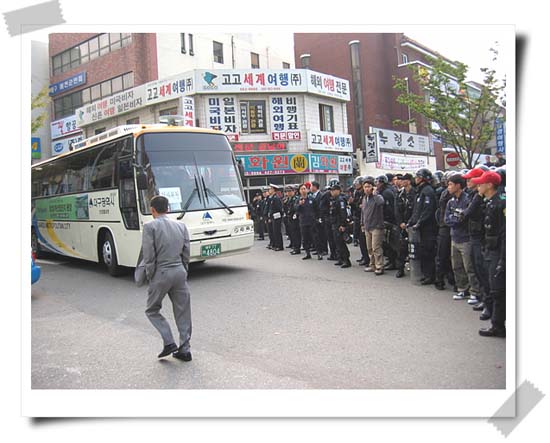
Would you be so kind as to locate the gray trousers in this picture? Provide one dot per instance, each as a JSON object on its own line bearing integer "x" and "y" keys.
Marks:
{"x": 463, "y": 268}
{"x": 171, "y": 281}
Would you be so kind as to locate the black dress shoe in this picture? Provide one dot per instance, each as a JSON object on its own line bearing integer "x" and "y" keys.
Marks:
{"x": 492, "y": 332}
{"x": 346, "y": 264}
{"x": 168, "y": 349}
{"x": 361, "y": 262}
{"x": 339, "y": 263}
{"x": 269, "y": 247}
{"x": 180, "y": 355}
{"x": 288, "y": 246}
{"x": 294, "y": 252}
{"x": 485, "y": 315}
{"x": 261, "y": 238}
{"x": 319, "y": 257}
{"x": 332, "y": 258}
{"x": 428, "y": 281}
{"x": 277, "y": 249}
{"x": 400, "y": 273}
{"x": 390, "y": 267}
{"x": 439, "y": 285}
{"x": 479, "y": 307}
{"x": 307, "y": 257}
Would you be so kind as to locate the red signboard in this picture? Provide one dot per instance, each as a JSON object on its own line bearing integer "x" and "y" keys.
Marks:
{"x": 453, "y": 159}
{"x": 259, "y": 147}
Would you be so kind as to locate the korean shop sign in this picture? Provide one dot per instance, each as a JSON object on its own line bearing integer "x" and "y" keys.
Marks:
{"x": 329, "y": 141}
{"x": 401, "y": 141}
{"x": 67, "y": 84}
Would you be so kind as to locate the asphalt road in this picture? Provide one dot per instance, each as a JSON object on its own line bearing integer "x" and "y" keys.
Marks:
{"x": 261, "y": 320}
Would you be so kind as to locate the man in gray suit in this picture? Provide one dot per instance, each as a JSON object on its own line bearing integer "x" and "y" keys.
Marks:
{"x": 166, "y": 250}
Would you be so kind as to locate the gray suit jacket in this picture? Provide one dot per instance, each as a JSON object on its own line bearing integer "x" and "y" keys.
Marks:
{"x": 165, "y": 244}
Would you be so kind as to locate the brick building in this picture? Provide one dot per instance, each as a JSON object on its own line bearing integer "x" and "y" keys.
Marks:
{"x": 383, "y": 56}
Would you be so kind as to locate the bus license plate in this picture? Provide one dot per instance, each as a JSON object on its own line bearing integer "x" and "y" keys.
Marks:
{"x": 211, "y": 250}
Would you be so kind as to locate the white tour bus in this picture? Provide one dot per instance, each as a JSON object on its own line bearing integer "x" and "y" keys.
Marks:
{"x": 91, "y": 203}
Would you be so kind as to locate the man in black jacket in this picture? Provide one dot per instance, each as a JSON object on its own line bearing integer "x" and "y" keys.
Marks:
{"x": 338, "y": 216}
{"x": 275, "y": 217}
{"x": 324, "y": 209}
{"x": 404, "y": 204}
{"x": 391, "y": 239}
{"x": 423, "y": 221}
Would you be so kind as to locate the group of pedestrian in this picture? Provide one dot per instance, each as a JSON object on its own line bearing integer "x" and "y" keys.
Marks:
{"x": 453, "y": 223}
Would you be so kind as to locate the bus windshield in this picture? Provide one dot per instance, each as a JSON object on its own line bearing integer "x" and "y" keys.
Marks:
{"x": 194, "y": 171}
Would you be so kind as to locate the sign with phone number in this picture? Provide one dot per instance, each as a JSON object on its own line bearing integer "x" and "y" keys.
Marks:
{"x": 279, "y": 164}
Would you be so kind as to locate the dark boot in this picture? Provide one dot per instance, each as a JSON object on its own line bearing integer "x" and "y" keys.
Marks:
{"x": 307, "y": 257}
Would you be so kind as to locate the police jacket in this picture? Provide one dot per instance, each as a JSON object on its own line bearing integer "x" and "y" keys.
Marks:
{"x": 424, "y": 209}
{"x": 404, "y": 203}
{"x": 494, "y": 224}
{"x": 291, "y": 209}
{"x": 275, "y": 207}
{"x": 441, "y": 208}
{"x": 338, "y": 213}
{"x": 259, "y": 208}
{"x": 317, "y": 202}
{"x": 305, "y": 208}
{"x": 454, "y": 217}
{"x": 356, "y": 203}
{"x": 324, "y": 205}
{"x": 372, "y": 212}
{"x": 474, "y": 214}
{"x": 265, "y": 207}
{"x": 388, "y": 194}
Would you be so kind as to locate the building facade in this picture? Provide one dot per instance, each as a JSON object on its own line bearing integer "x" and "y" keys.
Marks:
{"x": 381, "y": 57}
{"x": 286, "y": 126}
{"x": 86, "y": 68}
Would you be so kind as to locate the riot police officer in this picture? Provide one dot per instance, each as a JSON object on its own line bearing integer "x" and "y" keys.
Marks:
{"x": 275, "y": 217}
{"x": 404, "y": 203}
{"x": 443, "y": 267}
{"x": 292, "y": 219}
{"x": 423, "y": 221}
{"x": 259, "y": 208}
{"x": 391, "y": 237}
{"x": 494, "y": 244}
{"x": 338, "y": 215}
{"x": 305, "y": 208}
{"x": 324, "y": 209}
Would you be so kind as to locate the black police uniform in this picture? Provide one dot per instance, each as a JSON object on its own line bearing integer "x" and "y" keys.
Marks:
{"x": 357, "y": 231}
{"x": 324, "y": 210}
{"x": 391, "y": 239}
{"x": 286, "y": 202}
{"x": 305, "y": 209}
{"x": 404, "y": 203}
{"x": 275, "y": 218}
{"x": 338, "y": 215}
{"x": 267, "y": 206}
{"x": 423, "y": 220}
{"x": 259, "y": 206}
{"x": 494, "y": 252}
{"x": 319, "y": 234}
{"x": 443, "y": 266}
{"x": 293, "y": 224}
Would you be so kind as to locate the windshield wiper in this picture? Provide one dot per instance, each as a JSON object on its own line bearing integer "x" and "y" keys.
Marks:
{"x": 218, "y": 199}
{"x": 190, "y": 199}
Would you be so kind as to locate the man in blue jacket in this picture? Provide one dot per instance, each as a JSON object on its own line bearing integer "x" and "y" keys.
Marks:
{"x": 461, "y": 248}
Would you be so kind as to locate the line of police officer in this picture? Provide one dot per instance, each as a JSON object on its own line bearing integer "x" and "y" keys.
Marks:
{"x": 325, "y": 222}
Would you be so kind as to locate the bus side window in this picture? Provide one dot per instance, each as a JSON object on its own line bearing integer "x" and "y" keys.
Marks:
{"x": 127, "y": 191}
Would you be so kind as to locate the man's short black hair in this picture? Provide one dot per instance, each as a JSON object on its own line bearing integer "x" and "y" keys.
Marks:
{"x": 316, "y": 184}
{"x": 160, "y": 204}
{"x": 457, "y": 179}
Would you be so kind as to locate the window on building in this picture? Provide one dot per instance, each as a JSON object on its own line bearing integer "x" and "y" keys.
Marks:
{"x": 191, "y": 50}
{"x": 182, "y": 43}
{"x": 169, "y": 111}
{"x": 133, "y": 121}
{"x": 326, "y": 118}
{"x": 253, "y": 117}
{"x": 254, "y": 60}
{"x": 66, "y": 105}
{"x": 106, "y": 88}
{"x": 405, "y": 58}
{"x": 89, "y": 50}
{"x": 99, "y": 130}
{"x": 116, "y": 84}
{"x": 286, "y": 65}
{"x": 128, "y": 81}
{"x": 218, "y": 52}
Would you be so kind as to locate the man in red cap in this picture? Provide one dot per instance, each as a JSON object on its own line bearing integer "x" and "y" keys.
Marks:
{"x": 494, "y": 250}
{"x": 474, "y": 215}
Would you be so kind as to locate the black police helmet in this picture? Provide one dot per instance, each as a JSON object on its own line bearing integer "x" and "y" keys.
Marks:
{"x": 382, "y": 179}
{"x": 424, "y": 173}
{"x": 439, "y": 176}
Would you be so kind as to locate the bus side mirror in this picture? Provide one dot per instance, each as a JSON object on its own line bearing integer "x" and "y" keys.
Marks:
{"x": 142, "y": 181}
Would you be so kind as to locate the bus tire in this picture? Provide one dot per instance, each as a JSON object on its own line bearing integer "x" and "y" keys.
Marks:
{"x": 109, "y": 256}
{"x": 35, "y": 246}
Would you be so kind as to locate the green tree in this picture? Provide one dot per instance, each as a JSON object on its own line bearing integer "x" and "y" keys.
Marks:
{"x": 464, "y": 117}
{"x": 39, "y": 101}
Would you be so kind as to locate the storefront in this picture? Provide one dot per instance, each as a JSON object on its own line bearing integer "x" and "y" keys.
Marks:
{"x": 287, "y": 126}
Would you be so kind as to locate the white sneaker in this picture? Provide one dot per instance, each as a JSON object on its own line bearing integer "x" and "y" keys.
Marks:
{"x": 369, "y": 269}
{"x": 460, "y": 296}
{"x": 473, "y": 300}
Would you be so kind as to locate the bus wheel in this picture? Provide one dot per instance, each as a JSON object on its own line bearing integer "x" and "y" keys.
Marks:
{"x": 108, "y": 255}
{"x": 35, "y": 246}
